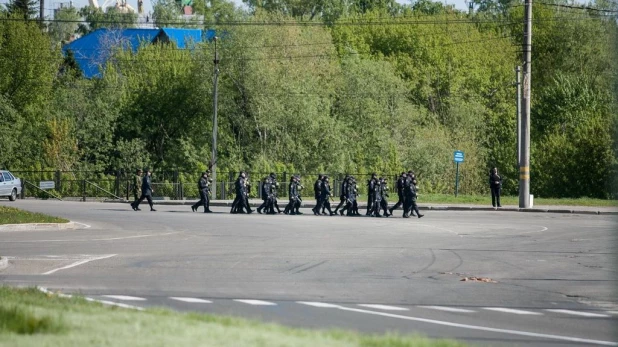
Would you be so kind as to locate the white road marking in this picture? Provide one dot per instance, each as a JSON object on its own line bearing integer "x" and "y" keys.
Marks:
{"x": 480, "y": 328}
{"x": 105, "y": 302}
{"x": 193, "y": 300}
{"x": 448, "y": 309}
{"x": 612, "y": 312}
{"x": 133, "y": 237}
{"x": 580, "y": 313}
{"x": 81, "y": 262}
{"x": 124, "y": 297}
{"x": 111, "y": 303}
{"x": 86, "y": 226}
{"x": 510, "y": 310}
{"x": 88, "y": 240}
{"x": 318, "y": 304}
{"x": 256, "y": 302}
{"x": 44, "y": 290}
{"x": 384, "y": 307}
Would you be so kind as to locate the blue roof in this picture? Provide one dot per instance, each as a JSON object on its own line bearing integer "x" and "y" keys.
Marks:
{"x": 92, "y": 51}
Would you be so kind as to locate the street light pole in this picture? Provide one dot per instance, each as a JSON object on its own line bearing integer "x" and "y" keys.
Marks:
{"x": 524, "y": 160}
{"x": 518, "y": 84}
{"x": 213, "y": 158}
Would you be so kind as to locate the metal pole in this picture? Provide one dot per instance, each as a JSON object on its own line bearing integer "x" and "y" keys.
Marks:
{"x": 41, "y": 12}
{"x": 214, "y": 124}
{"x": 457, "y": 180}
{"x": 524, "y": 163}
{"x": 518, "y": 85}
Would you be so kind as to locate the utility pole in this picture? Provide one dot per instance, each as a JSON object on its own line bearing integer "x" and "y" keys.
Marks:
{"x": 213, "y": 158}
{"x": 524, "y": 161}
{"x": 41, "y": 12}
{"x": 518, "y": 85}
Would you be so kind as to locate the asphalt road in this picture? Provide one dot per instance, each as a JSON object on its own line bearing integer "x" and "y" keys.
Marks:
{"x": 553, "y": 276}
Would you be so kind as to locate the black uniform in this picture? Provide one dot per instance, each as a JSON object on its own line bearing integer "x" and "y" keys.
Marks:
{"x": 203, "y": 186}
{"x": 266, "y": 196}
{"x": 294, "y": 195}
{"x": 410, "y": 197}
{"x": 399, "y": 187}
{"x": 377, "y": 199}
{"x": 317, "y": 186}
{"x": 352, "y": 194}
{"x": 146, "y": 193}
{"x": 240, "y": 201}
{"x": 384, "y": 201}
{"x": 324, "y": 197}
{"x": 274, "y": 192}
{"x": 342, "y": 195}
{"x": 371, "y": 193}
{"x": 495, "y": 184}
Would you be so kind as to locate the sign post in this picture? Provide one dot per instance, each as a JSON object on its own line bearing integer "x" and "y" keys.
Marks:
{"x": 458, "y": 157}
{"x": 47, "y": 185}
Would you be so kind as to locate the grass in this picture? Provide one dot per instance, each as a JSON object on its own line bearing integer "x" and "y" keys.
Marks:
{"x": 12, "y": 215}
{"x": 85, "y": 324}
{"x": 512, "y": 200}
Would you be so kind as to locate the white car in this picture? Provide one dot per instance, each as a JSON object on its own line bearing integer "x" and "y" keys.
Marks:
{"x": 9, "y": 185}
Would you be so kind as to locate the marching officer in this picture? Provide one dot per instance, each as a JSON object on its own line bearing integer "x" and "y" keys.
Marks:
{"x": 399, "y": 187}
{"x": 371, "y": 193}
{"x": 203, "y": 186}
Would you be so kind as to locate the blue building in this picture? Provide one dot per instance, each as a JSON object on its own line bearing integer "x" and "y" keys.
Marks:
{"x": 92, "y": 51}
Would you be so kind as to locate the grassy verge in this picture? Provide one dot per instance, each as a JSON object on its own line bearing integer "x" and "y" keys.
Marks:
{"x": 77, "y": 322}
{"x": 511, "y": 200}
{"x": 11, "y": 215}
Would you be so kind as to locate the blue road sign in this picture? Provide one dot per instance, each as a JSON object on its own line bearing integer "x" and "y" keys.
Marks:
{"x": 458, "y": 156}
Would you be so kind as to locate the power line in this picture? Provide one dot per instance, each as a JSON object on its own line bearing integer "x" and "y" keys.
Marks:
{"x": 282, "y": 23}
{"x": 577, "y": 7}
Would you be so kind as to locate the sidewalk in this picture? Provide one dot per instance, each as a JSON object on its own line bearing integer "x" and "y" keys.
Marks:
{"x": 424, "y": 206}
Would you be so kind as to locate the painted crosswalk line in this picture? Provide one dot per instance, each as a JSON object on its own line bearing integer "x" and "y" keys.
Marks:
{"x": 384, "y": 307}
{"x": 125, "y": 297}
{"x": 511, "y": 310}
{"x": 191, "y": 300}
{"x": 580, "y": 313}
{"x": 256, "y": 302}
{"x": 448, "y": 309}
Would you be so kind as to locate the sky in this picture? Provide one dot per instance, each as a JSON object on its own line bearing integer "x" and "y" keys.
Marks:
{"x": 53, "y": 4}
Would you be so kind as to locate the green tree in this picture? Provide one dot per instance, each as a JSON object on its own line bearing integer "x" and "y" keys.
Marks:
{"x": 26, "y": 9}
{"x": 65, "y": 24}
{"x": 166, "y": 13}
{"x": 28, "y": 66}
{"x": 96, "y": 18}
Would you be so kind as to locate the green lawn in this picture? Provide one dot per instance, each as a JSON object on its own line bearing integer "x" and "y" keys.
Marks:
{"x": 31, "y": 318}
{"x": 511, "y": 200}
{"x": 12, "y": 215}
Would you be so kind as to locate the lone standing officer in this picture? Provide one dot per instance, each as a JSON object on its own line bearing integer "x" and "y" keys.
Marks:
{"x": 495, "y": 183}
{"x": 203, "y": 185}
{"x": 146, "y": 192}
{"x": 137, "y": 188}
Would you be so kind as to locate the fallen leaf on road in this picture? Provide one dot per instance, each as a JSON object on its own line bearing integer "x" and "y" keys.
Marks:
{"x": 478, "y": 279}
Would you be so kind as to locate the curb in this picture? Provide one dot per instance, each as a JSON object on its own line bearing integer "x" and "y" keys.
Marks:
{"x": 425, "y": 207}
{"x": 4, "y": 263}
{"x": 40, "y": 226}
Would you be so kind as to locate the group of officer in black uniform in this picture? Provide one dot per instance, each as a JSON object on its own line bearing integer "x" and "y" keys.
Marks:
{"x": 377, "y": 196}
{"x": 377, "y": 203}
